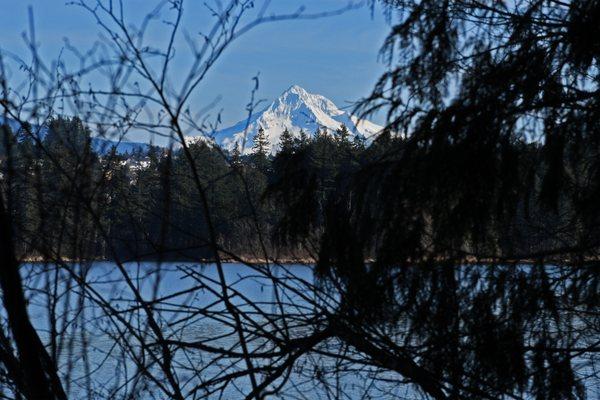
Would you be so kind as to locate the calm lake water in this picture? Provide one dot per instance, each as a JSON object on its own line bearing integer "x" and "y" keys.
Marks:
{"x": 95, "y": 351}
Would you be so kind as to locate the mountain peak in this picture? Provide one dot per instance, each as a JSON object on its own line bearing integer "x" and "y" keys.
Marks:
{"x": 295, "y": 89}
{"x": 295, "y": 109}
{"x": 296, "y": 100}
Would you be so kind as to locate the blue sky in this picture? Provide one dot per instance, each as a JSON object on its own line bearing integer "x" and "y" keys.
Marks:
{"x": 334, "y": 56}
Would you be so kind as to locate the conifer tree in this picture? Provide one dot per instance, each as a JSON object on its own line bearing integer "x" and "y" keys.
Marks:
{"x": 471, "y": 81}
{"x": 319, "y": 133}
{"x": 286, "y": 141}
{"x": 260, "y": 143}
{"x": 302, "y": 139}
{"x": 260, "y": 149}
{"x": 342, "y": 134}
{"x": 359, "y": 142}
{"x": 236, "y": 155}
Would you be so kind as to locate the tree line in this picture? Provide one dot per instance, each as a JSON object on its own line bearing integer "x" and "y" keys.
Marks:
{"x": 145, "y": 202}
{"x": 146, "y": 206}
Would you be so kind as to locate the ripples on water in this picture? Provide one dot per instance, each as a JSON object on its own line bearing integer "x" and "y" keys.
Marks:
{"x": 88, "y": 346}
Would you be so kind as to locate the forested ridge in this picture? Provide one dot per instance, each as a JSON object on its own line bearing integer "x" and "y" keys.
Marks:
{"x": 58, "y": 178}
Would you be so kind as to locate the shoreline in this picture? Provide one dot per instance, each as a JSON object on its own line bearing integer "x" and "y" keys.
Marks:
{"x": 283, "y": 261}
{"x": 228, "y": 260}
{"x": 469, "y": 260}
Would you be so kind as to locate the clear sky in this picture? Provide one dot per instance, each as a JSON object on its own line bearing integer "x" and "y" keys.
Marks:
{"x": 334, "y": 56}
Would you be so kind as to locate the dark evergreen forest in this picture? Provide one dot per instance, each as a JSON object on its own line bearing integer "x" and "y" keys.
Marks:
{"x": 68, "y": 200}
{"x": 73, "y": 202}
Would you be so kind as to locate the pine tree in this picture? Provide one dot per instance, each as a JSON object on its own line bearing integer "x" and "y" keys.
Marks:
{"x": 261, "y": 151}
{"x": 236, "y": 156}
{"x": 317, "y": 133}
{"x": 286, "y": 142}
{"x": 68, "y": 169}
{"x": 322, "y": 134}
{"x": 302, "y": 139}
{"x": 359, "y": 142}
{"x": 260, "y": 143}
{"x": 342, "y": 134}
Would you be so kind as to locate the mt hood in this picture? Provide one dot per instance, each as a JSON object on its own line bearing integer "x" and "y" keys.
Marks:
{"x": 296, "y": 110}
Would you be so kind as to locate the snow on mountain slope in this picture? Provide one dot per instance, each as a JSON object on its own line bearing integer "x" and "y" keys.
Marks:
{"x": 296, "y": 110}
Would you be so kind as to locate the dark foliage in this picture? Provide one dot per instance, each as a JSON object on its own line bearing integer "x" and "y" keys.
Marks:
{"x": 490, "y": 162}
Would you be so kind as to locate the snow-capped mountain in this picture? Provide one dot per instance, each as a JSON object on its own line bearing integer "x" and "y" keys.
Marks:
{"x": 296, "y": 109}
